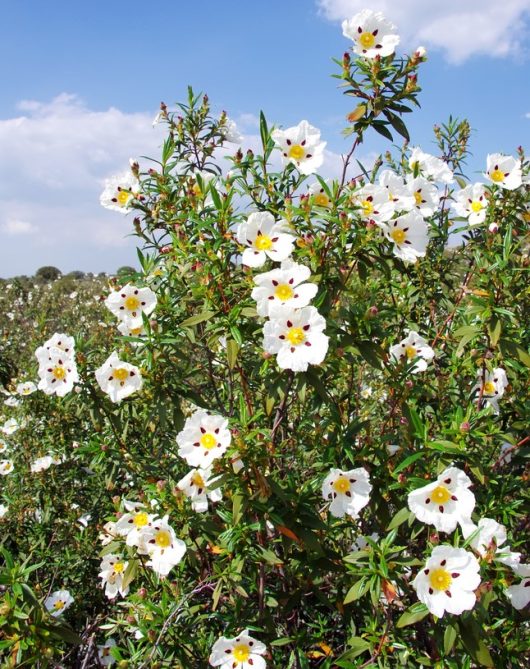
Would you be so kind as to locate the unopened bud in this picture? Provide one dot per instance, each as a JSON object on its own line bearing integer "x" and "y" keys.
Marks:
{"x": 142, "y": 593}
{"x": 465, "y": 426}
{"x": 493, "y": 228}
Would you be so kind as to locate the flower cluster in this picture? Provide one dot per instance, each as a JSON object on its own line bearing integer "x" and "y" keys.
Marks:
{"x": 57, "y": 367}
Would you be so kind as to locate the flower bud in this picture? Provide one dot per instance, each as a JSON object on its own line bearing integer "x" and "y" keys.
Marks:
{"x": 142, "y": 593}
{"x": 493, "y": 228}
{"x": 465, "y": 426}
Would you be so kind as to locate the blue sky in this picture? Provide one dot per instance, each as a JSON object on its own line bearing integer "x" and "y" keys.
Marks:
{"x": 117, "y": 60}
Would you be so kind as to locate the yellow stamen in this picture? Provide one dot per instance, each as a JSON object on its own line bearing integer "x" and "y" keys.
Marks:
{"x": 263, "y": 242}
{"x": 132, "y": 303}
{"x": 367, "y": 206}
{"x": 283, "y": 292}
{"x": 497, "y": 176}
{"x": 59, "y": 373}
{"x": 341, "y": 485}
{"x": 489, "y": 387}
{"x": 297, "y": 152}
{"x": 418, "y": 198}
{"x": 123, "y": 197}
{"x": 208, "y": 441}
{"x": 398, "y": 235}
{"x": 440, "y": 495}
{"x": 197, "y": 480}
{"x": 440, "y": 579}
{"x": 141, "y": 519}
{"x": 476, "y": 206}
{"x": 120, "y": 374}
{"x": 321, "y": 199}
{"x": 119, "y": 567}
{"x": 367, "y": 40}
{"x": 59, "y": 605}
{"x": 241, "y": 652}
{"x": 410, "y": 352}
{"x": 296, "y": 336}
{"x": 163, "y": 539}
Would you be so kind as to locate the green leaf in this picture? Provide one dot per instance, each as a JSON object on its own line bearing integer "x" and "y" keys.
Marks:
{"x": 357, "y": 590}
{"x": 449, "y": 639}
{"x": 357, "y": 646}
{"x": 130, "y": 573}
{"x": 470, "y": 632}
{"x": 232, "y": 349}
{"x": 198, "y": 318}
{"x": 401, "y": 516}
{"x": 398, "y": 125}
{"x": 263, "y": 129}
{"x": 413, "y": 614}
{"x": 381, "y": 128}
{"x": 408, "y": 461}
{"x": 494, "y": 330}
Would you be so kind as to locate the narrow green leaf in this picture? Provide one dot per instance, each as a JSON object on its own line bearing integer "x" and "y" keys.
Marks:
{"x": 198, "y": 318}
{"x": 413, "y": 614}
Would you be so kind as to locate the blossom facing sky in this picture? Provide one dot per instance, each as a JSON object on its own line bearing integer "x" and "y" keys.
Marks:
{"x": 129, "y": 303}
{"x": 471, "y": 203}
{"x": 301, "y": 146}
{"x": 161, "y": 544}
{"x": 120, "y": 191}
{"x": 240, "y": 652}
{"x": 118, "y": 379}
{"x": 296, "y": 337}
{"x": 409, "y": 236}
{"x": 349, "y": 491}
{"x": 413, "y": 349}
{"x": 58, "y": 602}
{"x": 448, "y": 581}
{"x": 284, "y": 286}
{"x": 492, "y": 385}
{"x": 444, "y": 503}
{"x": 196, "y": 485}
{"x": 373, "y": 35}
{"x": 504, "y": 171}
{"x": 265, "y": 238}
{"x": 57, "y": 372}
{"x": 204, "y": 438}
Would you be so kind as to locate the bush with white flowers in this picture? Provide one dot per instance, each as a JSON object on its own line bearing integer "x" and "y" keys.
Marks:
{"x": 298, "y": 436}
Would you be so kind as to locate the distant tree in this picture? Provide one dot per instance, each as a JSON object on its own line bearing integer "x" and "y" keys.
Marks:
{"x": 48, "y": 273}
{"x": 126, "y": 269}
{"x": 76, "y": 274}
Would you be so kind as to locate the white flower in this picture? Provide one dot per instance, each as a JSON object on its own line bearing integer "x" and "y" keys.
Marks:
{"x": 504, "y": 171}
{"x": 200, "y": 186}
{"x": 132, "y": 524}
{"x": 41, "y": 464}
{"x": 397, "y": 191}
{"x": 196, "y": 485}
{"x": 112, "y": 570}
{"x": 119, "y": 192}
{"x": 430, "y": 166}
{"x": 361, "y": 543}
{"x": 283, "y": 286}
{"x": 366, "y": 392}
{"x": 489, "y": 535}
{"x": 10, "y": 426}
{"x": 104, "y": 653}
{"x": 240, "y": 652}
{"x": 409, "y": 234}
{"x": 448, "y": 581}
{"x": 372, "y": 33}
{"x": 128, "y": 331}
{"x": 203, "y": 438}
{"x": 492, "y": 385}
{"x": 319, "y": 194}
{"x": 348, "y": 490}
{"x": 413, "y": 348}
{"x": 162, "y": 546}
{"x": 3, "y": 446}
{"x": 58, "y": 341}
{"x": 117, "y": 378}
{"x": 421, "y": 52}
{"x": 230, "y": 131}
{"x": 506, "y": 453}
{"x": 57, "y": 372}
{"x": 519, "y": 594}
{"x": 12, "y": 401}
{"x": 26, "y": 388}
{"x": 296, "y": 336}
{"x": 6, "y": 467}
{"x": 108, "y": 534}
{"x": 58, "y": 602}
{"x": 129, "y": 303}
{"x": 265, "y": 238}
{"x": 425, "y": 194}
{"x": 301, "y": 146}
{"x": 471, "y": 203}
{"x": 444, "y": 503}
{"x": 375, "y": 204}
{"x": 3, "y": 510}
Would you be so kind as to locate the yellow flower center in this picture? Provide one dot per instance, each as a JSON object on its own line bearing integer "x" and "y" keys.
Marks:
{"x": 418, "y": 198}
{"x": 136, "y": 331}
{"x": 489, "y": 387}
{"x": 296, "y": 336}
{"x": 367, "y": 40}
{"x": 197, "y": 190}
{"x": 197, "y": 480}
{"x": 163, "y": 539}
{"x": 59, "y": 373}
{"x": 120, "y": 374}
{"x": 6, "y": 466}
{"x": 263, "y": 242}
{"x": 141, "y": 519}
{"x": 440, "y": 579}
{"x": 341, "y": 485}
{"x": 476, "y": 206}
{"x": 283, "y": 292}
{"x": 132, "y": 303}
{"x": 241, "y": 652}
{"x": 321, "y": 199}
{"x": 208, "y": 441}
{"x": 398, "y": 235}
{"x": 440, "y": 495}
{"x": 526, "y": 216}
{"x": 367, "y": 206}
{"x": 497, "y": 176}
{"x": 59, "y": 605}
{"x": 123, "y": 197}
{"x": 297, "y": 152}
{"x": 119, "y": 567}
{"x": 410, "y": 352}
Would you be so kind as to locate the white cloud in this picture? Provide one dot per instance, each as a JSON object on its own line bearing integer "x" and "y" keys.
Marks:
{"x": 460, "y": 28}
{"x": 55, "y": 158}
{"x": 13, "y": 226}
